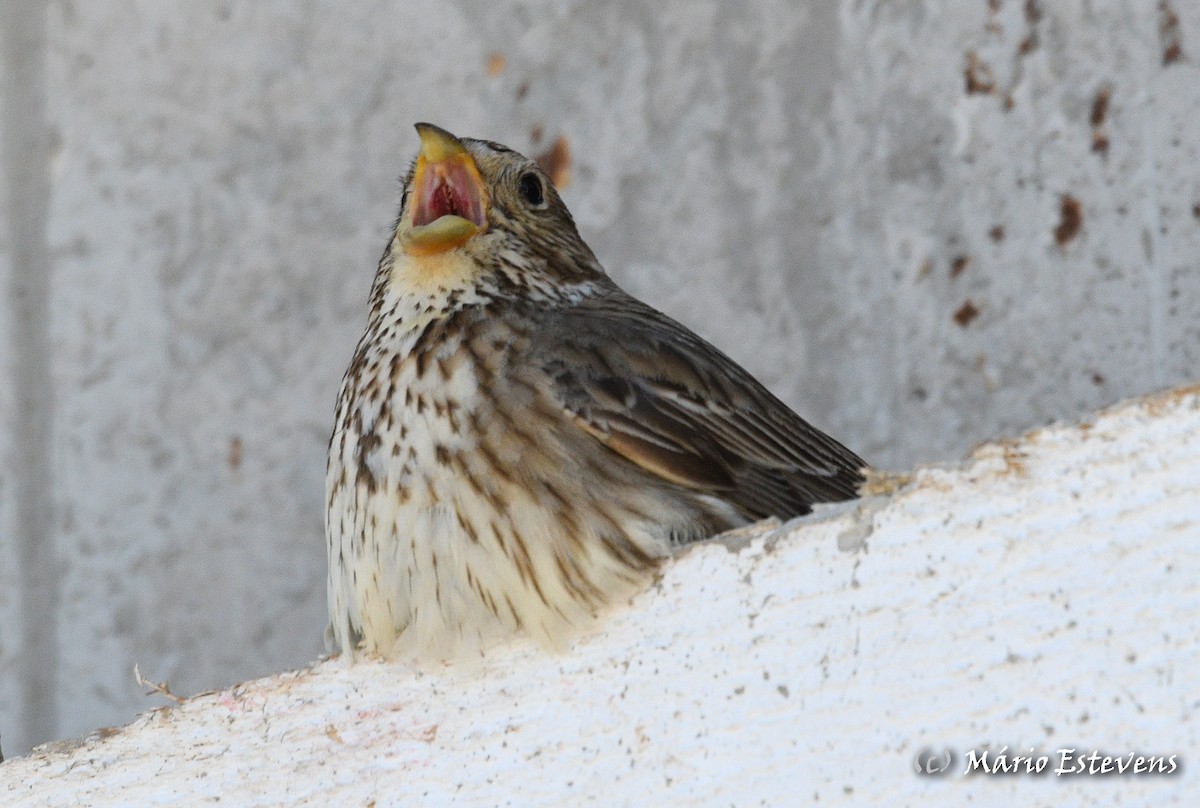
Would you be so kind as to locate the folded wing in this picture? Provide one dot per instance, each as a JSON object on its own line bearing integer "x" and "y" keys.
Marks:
{"x": 661, "y": 397}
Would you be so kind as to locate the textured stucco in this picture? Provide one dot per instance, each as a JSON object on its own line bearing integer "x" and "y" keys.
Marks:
{"x": 11, "y": 677}
{"x": 817, "y": 187}
{"x": 29, "y": 649}
{"x": 1041, "y": 597}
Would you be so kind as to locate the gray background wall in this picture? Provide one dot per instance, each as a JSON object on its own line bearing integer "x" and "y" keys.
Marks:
{"x": 922, "y": 223}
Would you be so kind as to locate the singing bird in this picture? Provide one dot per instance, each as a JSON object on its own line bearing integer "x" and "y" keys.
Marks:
{"x": 517, "y": 441}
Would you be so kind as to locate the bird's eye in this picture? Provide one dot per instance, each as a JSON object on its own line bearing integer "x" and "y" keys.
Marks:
{"x": 531, "y": 190}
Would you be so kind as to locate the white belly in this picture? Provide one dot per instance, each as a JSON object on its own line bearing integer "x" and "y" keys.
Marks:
{"x": 433, "y": 555}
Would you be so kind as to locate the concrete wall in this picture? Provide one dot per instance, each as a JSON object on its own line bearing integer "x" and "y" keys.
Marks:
{"x": 1042, "y": 597}
{"x": 921, "y": 223}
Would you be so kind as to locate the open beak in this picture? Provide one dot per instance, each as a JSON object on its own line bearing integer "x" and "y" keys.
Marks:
{"x": 449, "y": 201}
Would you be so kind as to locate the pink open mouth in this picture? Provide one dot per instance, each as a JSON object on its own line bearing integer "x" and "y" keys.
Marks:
{"x": 448, "y": 189}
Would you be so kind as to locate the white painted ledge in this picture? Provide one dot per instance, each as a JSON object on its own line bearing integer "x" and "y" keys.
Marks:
{"x": 1043, "y": 595}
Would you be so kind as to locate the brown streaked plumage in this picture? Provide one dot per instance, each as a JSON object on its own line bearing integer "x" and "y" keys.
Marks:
{"x": 517, "y": 440}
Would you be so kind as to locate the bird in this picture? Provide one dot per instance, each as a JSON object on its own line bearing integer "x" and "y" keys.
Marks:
{"x": 518, "y": 443}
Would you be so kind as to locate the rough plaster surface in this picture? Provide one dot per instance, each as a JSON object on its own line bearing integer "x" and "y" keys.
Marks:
{"x": 819, "y": 188}
{"x": 28, "y": 640}
{"x": 1042, "y": 596}
{"x": 11, "y": 677}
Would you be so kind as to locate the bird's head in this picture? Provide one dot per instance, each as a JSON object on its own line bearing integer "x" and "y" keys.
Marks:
{"x": 481, "y": 202}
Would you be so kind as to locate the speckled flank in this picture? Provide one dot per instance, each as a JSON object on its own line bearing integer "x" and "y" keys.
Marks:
{"x": 436, "y": 536}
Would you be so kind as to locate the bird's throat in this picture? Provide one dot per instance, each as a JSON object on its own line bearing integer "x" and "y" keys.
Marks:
{"x": 429, "y": 279}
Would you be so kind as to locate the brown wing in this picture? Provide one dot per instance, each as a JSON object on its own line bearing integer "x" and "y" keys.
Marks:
{"x": 663, "y": 398}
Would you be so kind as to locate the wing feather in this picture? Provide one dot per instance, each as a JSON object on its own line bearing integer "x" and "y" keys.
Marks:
{"x": 664, "y": 399}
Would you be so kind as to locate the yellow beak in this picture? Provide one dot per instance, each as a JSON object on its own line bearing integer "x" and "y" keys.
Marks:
{"x": 449, "y": 199}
